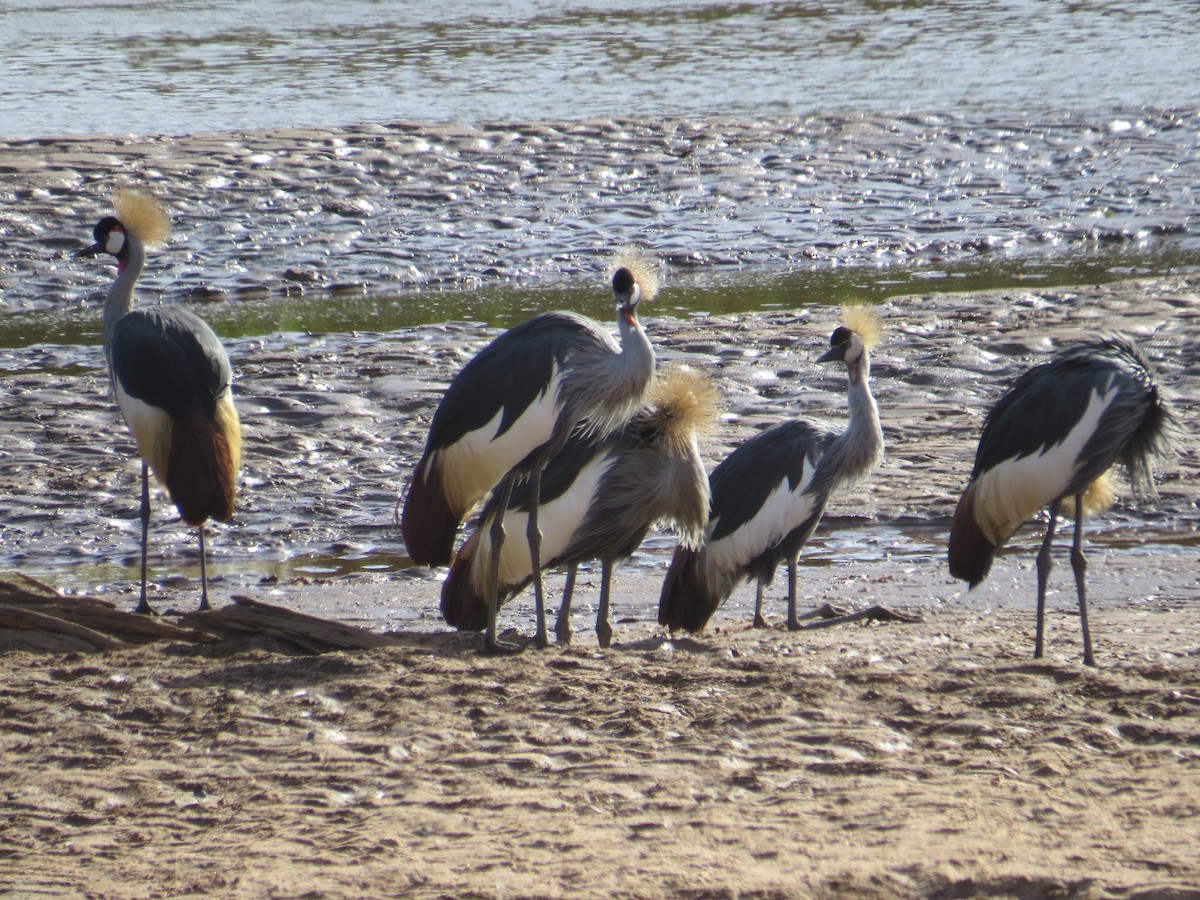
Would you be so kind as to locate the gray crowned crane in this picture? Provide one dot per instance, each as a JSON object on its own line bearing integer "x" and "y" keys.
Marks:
{"x": 1054, "y": 436}
{"x": 599, "y": 498}
{"x": 769, "y": 494}
{"x": 512, "y": 407}
{"x": 172, "y": 381}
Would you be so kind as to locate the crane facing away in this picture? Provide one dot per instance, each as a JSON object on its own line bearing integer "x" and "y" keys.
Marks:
{"x": 769, "y": 494}
{"x": 172, "y": 381}
{"x": 1053, "y": 436}
{"x": 600, "y": 496}
{"x": 512, "y": 407}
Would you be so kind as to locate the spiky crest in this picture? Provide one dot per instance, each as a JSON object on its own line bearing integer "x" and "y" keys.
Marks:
{"x": 864, "y": 321}
{"x": 142, "y": 215}
{"x": 682, "y": 402}
{"x": 644, "y": 266}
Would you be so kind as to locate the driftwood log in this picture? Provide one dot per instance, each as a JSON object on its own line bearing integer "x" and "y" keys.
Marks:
{"x": 302, "y": 633}
{"x": 34, "y": 617}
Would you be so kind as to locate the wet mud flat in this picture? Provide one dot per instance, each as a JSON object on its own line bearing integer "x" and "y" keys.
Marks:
{"x": 926, "y": 759}
{"x": 376, "y": 208}
{"x": 334, "y": 424}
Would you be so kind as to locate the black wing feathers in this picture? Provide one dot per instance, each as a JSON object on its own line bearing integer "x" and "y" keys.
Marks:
{"x": 742, "y": 482}
{"x": 507, "y": 374}
{"x": 168, "y": 357}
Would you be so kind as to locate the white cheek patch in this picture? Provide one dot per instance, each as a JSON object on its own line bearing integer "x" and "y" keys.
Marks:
{"x": 855, "y": 352}
{"x": 115, "y": 242}
{"x": 1008, "y": 494}
{"x": 784, "y": 511}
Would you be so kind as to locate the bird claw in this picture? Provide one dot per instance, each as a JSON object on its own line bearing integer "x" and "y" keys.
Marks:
{"x": 491, "y": 646}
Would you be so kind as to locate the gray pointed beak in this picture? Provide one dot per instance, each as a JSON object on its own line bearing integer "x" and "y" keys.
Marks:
{"x": 834, "y": 354}
{"x": 94, "y": 250}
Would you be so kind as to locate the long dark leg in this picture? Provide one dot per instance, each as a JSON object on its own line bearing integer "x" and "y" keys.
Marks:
{"x": 759, "y": 620}
{"x": 144, "y": 606}
{"x": 204, "y": 604}
{"x": 496, "y": 535}
{"x": 1079, "y": 564}
{"x": 534, "y": 533}
{"x": 603, "y": 628}
{"x": 1044, "y": 565}
{"x": 562, "y": 627}
{"x": 793, "y": 621}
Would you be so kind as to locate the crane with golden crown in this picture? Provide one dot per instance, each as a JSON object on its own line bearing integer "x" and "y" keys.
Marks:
{"x": 600, "y": 497}
{"x": 1054, "y": 436}
{"x": 769, "y": 494}
{"x": 512, "y": 407}
{"x": 172, "y": 381}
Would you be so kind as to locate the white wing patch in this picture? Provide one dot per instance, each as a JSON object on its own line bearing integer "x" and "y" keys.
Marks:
{"x": 1008, "y": 494}
{"x": 151, "y": 429}
{"x": 472, "y": 465}
{"x": 784, "y": 511}
{"x": 558, "y": 521}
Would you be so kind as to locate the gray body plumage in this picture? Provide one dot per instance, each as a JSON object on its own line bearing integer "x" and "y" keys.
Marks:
{"x": 512, "y": 407}
{"x": 768, "y": 497}
{"x": 1052, "y": 437}
{"x": 599, "y": 497}
{"x": 172, "y": 380}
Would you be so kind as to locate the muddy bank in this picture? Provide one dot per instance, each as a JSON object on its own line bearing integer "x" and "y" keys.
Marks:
{"x": 931, "y": 760}
{"x": 334, "y": 423}
{"x": 378, "y": 208}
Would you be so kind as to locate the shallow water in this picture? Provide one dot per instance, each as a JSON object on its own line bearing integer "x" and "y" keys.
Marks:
{"x": 141, "y": 66}
{"x": 753, "y": 215}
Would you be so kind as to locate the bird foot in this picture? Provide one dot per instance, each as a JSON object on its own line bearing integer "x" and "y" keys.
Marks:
{"x": 563, "y": 635}
{"x": 493, "y": 646}
{"x": 760, "y": 622}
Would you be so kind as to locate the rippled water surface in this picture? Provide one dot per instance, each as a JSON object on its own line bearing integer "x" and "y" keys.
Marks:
{"x": 72, "y": 66}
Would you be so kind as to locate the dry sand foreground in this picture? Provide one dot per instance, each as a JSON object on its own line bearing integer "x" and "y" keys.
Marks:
{"x": 933, "y": 759}
{"x": 926, "y": 759}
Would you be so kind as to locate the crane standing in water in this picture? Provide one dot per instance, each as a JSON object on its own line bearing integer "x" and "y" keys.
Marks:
{"x": 172, "y": 381}
{"x": 511, "y": 408}
{"x": 599, "y": 498}
{"x": 1054, "y": 435}
{"x": 769, "y": 494}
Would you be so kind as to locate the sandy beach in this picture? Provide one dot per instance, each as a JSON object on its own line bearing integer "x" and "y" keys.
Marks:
{"x": 933, "y": 758}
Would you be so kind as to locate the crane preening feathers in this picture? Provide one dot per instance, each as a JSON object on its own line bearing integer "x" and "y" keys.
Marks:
{"x": 172, "y": 381}
{"x": 1054, "y": 436}
{"x": 600, "y": 496}
{"x": 512, "y": 407}
{"x": 770, "y": 493}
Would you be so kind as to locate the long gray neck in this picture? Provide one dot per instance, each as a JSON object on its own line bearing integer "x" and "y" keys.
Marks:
{"x": 857, "y": 449}
{"x": 618, "y": 383}
{"x": 635, "y": 348}
{"x": 120, "y": 295}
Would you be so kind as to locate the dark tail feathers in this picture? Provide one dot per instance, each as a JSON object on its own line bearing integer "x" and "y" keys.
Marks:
{"x": 202, "y": 468}
{"x": 688, "y": 600}
{"x": 463, "y": 607}
{"x": 427, "y": 523}
{"x": 971, "y": 553}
